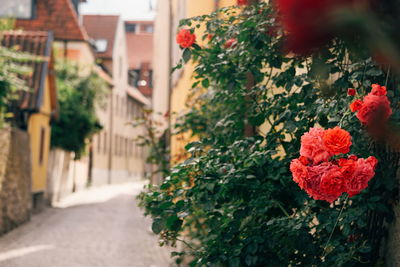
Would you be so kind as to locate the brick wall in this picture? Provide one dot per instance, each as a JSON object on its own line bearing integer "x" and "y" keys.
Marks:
{"x": 15, "y": 179}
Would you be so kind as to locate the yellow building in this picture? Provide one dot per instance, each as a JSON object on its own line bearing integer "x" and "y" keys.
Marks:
{"x": 37, "y": 106}
{"x": 171, "y": 93}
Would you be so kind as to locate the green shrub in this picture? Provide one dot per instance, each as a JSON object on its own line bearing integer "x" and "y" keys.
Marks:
{"x": 77, "y": 98}
{"x": 233, "y": 202}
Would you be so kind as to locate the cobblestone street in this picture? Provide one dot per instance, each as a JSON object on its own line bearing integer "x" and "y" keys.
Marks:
{"x": 98, "y": 227}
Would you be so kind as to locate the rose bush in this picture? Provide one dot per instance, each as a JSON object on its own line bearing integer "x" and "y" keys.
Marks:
{"x": 233, "y": 200}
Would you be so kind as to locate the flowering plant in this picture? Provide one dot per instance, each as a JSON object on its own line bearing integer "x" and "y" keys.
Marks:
{"x": 375, "y": 107}
{"x": 233, "y": 199}
{"x": 324, "y": 178}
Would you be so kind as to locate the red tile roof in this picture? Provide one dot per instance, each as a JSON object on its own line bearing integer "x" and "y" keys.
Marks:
{"x": 102, "y": 27}
{"x": 58, "y": 16}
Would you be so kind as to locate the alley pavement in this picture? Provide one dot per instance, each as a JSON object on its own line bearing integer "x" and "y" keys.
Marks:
{"x": 98, "y": 227}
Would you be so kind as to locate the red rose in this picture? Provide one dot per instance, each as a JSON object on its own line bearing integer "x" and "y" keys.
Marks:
{"x": 185, "y": 38}
{"x": 337, "y": 141}
{"x": 351, "y": 92}
{"x": 363, "y": 173}
{"x": 312, "y": 146}
{"x": 372, "y": 161}
{"x": 375, "y": 109}
{"x": 332, "y": 184}
{"x": 356, "y": 105}
{"x": 325, "y": 182}
{"x": 378, "y": 90}
{"x": 299, "y": 172}
{"x": 347, "y": 167}
{"x": 242, "y": 2}
{"x": 230, "y": 43}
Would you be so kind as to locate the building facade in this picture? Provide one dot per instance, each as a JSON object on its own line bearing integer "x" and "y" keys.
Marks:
{"x": 116, "y": 157}
{"x": 170, "y": 93}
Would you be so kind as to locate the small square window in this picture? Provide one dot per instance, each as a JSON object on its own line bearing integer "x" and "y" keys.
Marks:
{"x": 149, "y": 28}
{"x": 130, "y": 28}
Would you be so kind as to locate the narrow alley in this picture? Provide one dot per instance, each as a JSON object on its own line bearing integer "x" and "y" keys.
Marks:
{"x": 99, "y": 227}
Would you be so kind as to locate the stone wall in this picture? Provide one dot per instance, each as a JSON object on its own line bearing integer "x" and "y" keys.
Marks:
{"x": 15, "y": 179}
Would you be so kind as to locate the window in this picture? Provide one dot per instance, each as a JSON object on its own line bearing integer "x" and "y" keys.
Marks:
{"x": 117, "y": 105}
{"x": 130, "y": 28}
{"x": 101, "y": 45}
{"x": 148, "y": 28}
{"x": 120, "y": 66}
{"x": 133, "y": 77}
{"x": 21, "y": 9}
{"x": 126, "y": 147}
{"x": 116, "y": 145}
{"x": 105, "y": 142}
{"x": 41, "y": 151}
{"x": 99, "y": 142}
{"x": 121, "y": 145}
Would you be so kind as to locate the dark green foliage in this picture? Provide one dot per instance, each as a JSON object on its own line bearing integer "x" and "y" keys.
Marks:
{"x": 77, "y": 98}
{"x": 233, "y": 200}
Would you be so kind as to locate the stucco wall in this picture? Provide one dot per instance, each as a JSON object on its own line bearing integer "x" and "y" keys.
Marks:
{"x": 15, "y": 179}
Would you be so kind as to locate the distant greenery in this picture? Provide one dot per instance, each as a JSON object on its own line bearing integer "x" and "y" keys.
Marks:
{"x": 77, "y": 97}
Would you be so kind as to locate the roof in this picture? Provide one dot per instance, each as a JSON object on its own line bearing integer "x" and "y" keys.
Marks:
{"x": 140, "y": 49}
{"x": 58, "y": 16}
{"x": 38, "y": 44}
{"x": 137, "y": 95}
{"x": 102, "y": 27}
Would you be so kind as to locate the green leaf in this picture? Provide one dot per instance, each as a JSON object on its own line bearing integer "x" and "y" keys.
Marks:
{"x": 205, "y": 83}
{"x": 157, "y": 226}
{"x": 173, "y": 223}
{"x": 187, "y": 54}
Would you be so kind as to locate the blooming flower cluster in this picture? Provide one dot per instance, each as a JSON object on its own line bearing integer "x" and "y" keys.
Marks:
{"x": 185, "y": 38}
{"x": 324, "y": 178}
{"x": 374, "y": 108}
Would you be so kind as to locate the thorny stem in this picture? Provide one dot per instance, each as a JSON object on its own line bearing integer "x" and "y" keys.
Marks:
{"x": 334, "y": 227}
{"x": 186, "y": 243}
{"x": 344, "y": 116}
{"x": 387, "y": 76}
{"x": 283, "y": 209}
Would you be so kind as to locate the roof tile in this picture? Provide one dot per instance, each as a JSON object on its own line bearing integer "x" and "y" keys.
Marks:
{"x": 58, "y": 16}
